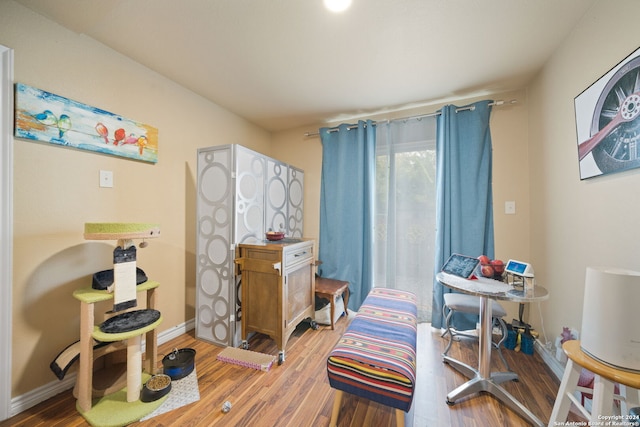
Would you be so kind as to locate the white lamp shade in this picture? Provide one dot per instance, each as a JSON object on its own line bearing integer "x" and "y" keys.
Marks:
{"x": 611, "y": 318}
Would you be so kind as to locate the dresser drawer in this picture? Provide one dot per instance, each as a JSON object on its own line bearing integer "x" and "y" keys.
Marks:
{"x": 298, "y": 255}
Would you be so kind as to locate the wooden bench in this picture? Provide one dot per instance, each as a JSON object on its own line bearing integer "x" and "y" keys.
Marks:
{"x": 332, "y": 289}
{"x": 376, "y": 357}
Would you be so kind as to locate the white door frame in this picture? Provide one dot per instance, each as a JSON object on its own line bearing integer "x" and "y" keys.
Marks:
{"x": 6, "y": 226}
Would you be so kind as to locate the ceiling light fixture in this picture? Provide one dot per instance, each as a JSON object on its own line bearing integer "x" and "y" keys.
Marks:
{"x": 337, "y": 6}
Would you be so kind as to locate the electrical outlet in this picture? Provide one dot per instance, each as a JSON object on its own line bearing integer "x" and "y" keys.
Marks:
{"x": 106, "y": 179}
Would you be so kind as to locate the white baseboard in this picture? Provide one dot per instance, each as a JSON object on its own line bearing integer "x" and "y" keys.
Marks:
{"x": 556, "y": 367}
{"x": 23, "y": 402}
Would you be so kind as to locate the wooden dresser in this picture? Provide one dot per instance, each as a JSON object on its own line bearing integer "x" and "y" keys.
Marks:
{"x": 278, "y": 288}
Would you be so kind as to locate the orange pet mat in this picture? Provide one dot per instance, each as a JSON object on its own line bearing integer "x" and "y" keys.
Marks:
{"x": 246, "y": 358}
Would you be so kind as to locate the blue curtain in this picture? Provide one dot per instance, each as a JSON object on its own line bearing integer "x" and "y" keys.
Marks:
{"x": 347, "y": 207}
{"x": 464, "y": 201}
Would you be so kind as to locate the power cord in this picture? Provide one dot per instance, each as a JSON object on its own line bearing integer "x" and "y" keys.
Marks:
{"x": 544, "y": 334}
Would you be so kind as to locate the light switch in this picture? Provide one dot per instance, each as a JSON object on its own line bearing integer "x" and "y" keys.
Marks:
{"x": 106, "y": 179}
{"x": 510, "y": 207}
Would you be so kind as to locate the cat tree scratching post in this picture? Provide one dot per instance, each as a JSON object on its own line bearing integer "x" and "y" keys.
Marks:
{"x": 124, "y": 297}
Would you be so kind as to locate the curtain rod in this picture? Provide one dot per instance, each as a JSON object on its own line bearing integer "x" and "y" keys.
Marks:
{"x": 420, "y": 116}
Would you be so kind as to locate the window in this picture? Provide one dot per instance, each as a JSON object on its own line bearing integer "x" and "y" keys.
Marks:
{"x": 405, "y": 208}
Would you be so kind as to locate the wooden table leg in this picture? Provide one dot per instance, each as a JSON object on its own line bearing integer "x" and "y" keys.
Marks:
{"x": 337, "y": 401}
{"x": 333, "y": 311}
{"x": 345, "y": 298}
{"x": 399, "y": 417}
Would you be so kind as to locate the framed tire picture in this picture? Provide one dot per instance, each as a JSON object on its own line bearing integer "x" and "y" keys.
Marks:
{"x": 608, "y": 121}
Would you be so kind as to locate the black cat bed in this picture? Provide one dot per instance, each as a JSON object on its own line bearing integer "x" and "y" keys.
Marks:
{"x": 129, "y": 321}
{"x": 103, "y": 279}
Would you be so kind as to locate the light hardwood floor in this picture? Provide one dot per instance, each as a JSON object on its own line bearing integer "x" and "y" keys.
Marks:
{"x": 297, "y": 393}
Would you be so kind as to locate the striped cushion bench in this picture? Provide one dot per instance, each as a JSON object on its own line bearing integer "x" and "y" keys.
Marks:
{"x": 376, "y": 356}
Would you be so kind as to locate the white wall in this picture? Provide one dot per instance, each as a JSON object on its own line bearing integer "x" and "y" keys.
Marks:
{"x": 56, "y": 189}
{"x": 575, "y": 224}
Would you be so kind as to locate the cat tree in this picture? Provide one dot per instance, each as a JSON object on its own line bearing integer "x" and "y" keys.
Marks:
{"x": 123, "y": 328}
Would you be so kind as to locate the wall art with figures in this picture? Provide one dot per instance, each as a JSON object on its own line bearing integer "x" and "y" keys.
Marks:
{"x": 47, "y": 117}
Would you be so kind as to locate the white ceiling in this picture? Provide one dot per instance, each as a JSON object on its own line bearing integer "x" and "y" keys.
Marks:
{"x": 288, "y": 63}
